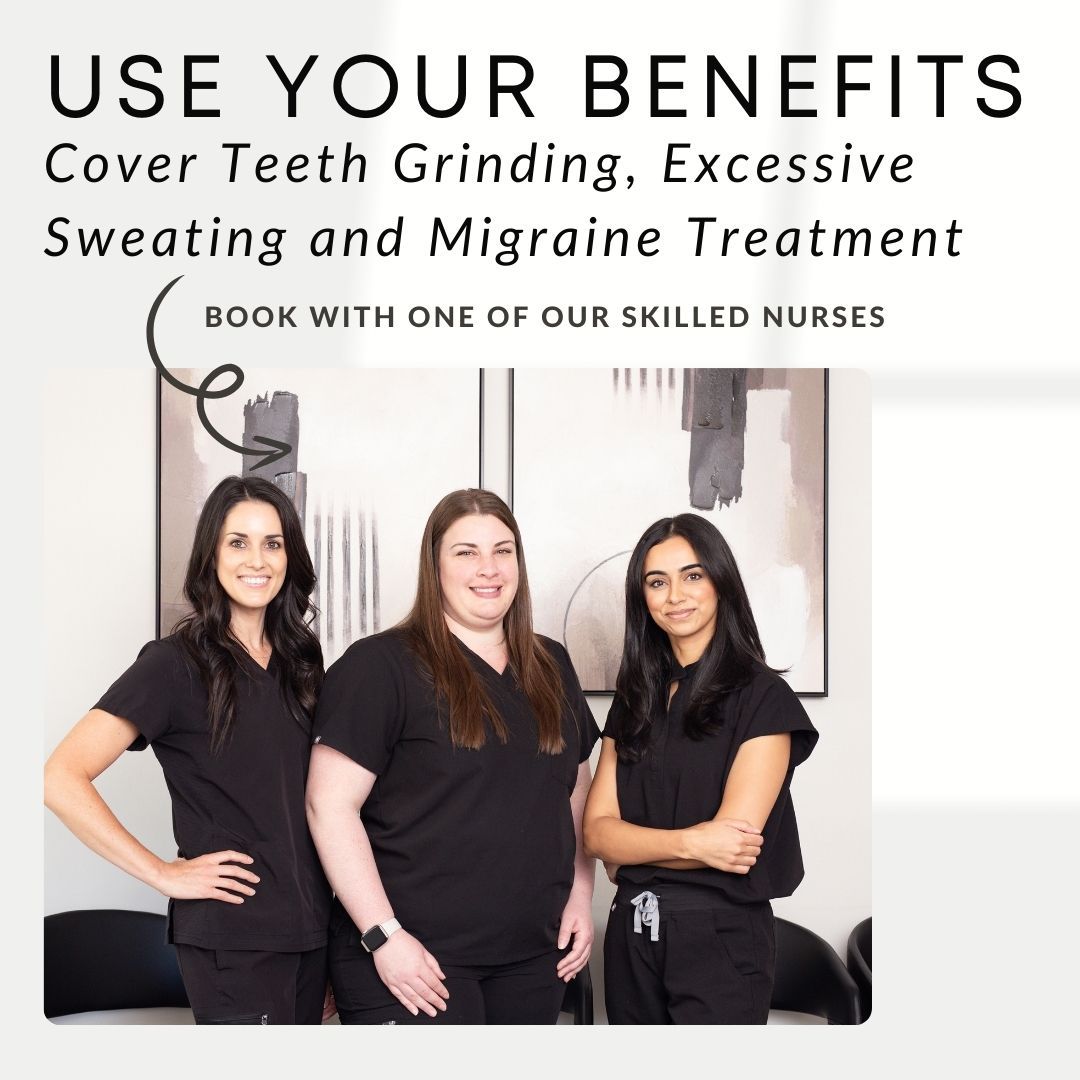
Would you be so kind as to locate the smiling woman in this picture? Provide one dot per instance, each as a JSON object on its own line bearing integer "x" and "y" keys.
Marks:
{"x": 478, "y": 573}
{"x": 680, "y": 597}
{"x": 251, "y": 561}
{"x": 226, "y": 702}
{"x": 691, "y": 809}
{"x": 452, "y": 763}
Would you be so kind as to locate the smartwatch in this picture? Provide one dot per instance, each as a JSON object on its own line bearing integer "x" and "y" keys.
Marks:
{"x": 377, "y": 936}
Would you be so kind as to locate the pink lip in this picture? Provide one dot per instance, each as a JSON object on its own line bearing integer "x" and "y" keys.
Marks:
{"x": 680, "y": 614}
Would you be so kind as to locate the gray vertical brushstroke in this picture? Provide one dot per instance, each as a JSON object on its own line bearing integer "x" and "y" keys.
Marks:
{"x": 615, "y": 379}
{"x": 346, "y": 576}
{"x": 277, "y": 417}
{"x": 626, "y": 378}
{"x": 362, "y": 583}
{"x": 321, "y": 580}
{"x": 643, "y": 377}
{"x": 671, "y": 378}
{"x": 659, "y": 384}
{"x": 714, "y": 412}
{"x": 330, "y": 578}
{"x": 374, "y": 574}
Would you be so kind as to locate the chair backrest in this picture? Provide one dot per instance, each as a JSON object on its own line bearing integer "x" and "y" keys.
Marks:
{"x": 578, "y": 998}
{"x": 859, "y": 962}
{"x": 109, "y": 959}
{"x": 811, "y": 977}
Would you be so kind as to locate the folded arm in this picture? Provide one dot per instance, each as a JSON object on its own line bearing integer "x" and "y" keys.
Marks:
{"x": 731, "y": 841}
{"x": 756, "y": 777}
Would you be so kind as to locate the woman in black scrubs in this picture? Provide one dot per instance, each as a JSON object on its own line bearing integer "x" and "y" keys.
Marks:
{"x": 226, "y": 702}
{"x": 691, "y": 808}
{"x": 462, "y": 739}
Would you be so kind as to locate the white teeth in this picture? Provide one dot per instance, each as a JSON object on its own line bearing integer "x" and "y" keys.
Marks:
{"x": 254, "y": 580}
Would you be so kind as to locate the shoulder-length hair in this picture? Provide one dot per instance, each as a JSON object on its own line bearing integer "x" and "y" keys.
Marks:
{"x": 206, "y": 631}
{"x": 458, "y": 688}
{"x": 732, "y": 657}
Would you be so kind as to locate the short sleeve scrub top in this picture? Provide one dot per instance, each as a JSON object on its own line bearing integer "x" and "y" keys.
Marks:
{"x": 475, "y": 848}
{"x": 249, "y": 797}
{"x": 697, "y": 946}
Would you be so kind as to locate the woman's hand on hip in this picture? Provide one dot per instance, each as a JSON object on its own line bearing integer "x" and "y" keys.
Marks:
{"x": 411, "y": 974}
{"x": 728, "y": 844}
{"x": 214, "y": 876}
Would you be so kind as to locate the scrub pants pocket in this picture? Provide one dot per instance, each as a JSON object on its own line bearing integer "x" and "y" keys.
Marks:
{"x": 710, "y": 965}
{"x": 719, "y": 966}
{"x": 227, "y": 986}
{"x": 734, "y": 929}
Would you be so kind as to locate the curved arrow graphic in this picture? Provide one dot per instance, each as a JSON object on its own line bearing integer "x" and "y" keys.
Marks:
{"x": 276, "y": 451}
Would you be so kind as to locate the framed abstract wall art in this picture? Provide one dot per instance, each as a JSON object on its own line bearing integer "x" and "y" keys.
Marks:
{"x": 599, "y": 454}
{"x": 371, "y": 452}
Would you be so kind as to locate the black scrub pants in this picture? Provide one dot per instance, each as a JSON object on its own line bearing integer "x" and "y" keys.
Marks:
{"x": 711, "y": 963}
{"x": 242, "y": 986}
{"x": 523, "y": 992}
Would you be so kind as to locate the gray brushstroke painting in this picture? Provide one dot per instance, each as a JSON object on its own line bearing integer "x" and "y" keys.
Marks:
{"x": 599, "y": 454}
{"x": 373, "y": 451}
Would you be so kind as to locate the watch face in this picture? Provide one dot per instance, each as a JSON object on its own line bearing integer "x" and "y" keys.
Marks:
{"x": 375, "y": 937}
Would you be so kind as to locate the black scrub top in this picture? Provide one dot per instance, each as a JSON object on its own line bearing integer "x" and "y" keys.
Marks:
{"x": 475, "y": 848}
{"x": 680, "y": 781}
{"x": 248, "y": 798}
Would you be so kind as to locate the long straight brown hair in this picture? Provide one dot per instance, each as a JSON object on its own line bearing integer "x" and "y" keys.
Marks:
{"x": 457, "y": 686}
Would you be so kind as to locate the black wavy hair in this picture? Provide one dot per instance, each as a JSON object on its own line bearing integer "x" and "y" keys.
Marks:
{"x": 206, "y": 632}
{"x": 731, "y": 659}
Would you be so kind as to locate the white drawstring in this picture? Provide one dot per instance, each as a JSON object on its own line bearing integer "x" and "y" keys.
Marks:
{"x": 647, "y": 913}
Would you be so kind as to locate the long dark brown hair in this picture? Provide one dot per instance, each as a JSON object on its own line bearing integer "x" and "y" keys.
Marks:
{"x": 457, "y": 686}
{"x": 206, "y": 632}
{"x": 731, "y": 659}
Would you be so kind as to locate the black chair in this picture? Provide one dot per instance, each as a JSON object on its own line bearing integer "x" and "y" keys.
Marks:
{"x": 859, "y": 963}
{"x": 97, "y": 960}
{"x": 578, "y": 999}
{"x": 811, "y": 977}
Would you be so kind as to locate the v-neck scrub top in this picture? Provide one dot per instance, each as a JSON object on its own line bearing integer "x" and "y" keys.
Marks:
{"x": 680, "y": 782}
{"x": 475, "y": 848}
{"x": 248, "y": 798}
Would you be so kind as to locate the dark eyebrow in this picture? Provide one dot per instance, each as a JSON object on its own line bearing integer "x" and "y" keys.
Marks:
{"x": 471, "y": 544}
{"x": 268, "y": 536}
{"x": 688, "y": 566}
